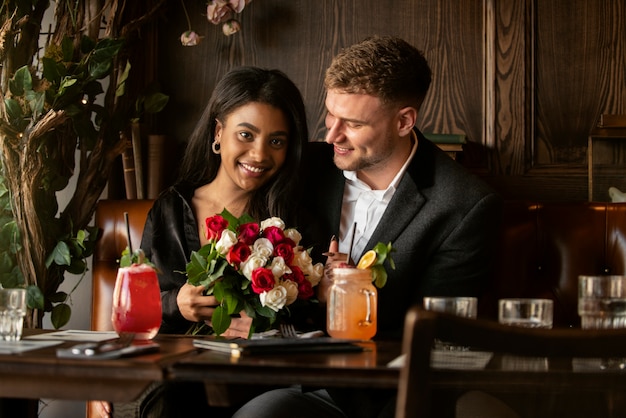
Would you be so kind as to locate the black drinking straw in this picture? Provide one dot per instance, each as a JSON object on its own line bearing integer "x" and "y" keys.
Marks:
{"x": 130, "y": 245}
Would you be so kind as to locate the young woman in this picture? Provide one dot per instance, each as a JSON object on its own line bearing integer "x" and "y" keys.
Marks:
{"x": 244, "y": 155}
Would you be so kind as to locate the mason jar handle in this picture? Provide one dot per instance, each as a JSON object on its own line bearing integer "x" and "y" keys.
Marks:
{"x": 368, "y": 315}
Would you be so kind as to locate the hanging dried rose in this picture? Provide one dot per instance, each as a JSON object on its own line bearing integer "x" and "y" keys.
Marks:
{"x": 231, "y": 27}
{"x": 190, "y": 38}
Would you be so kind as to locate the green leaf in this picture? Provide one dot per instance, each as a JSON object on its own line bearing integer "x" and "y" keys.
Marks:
{"x": 52, "y": 70}
{"x": 121, "y": 81}
{"x": 220, "y": 321}
{"x": 58, "y": 297}
{"x": 154, "y": 103}
{"x": 100, "y": 60}
{"x": 87, "y": 44}
{"x": 21, "y": 82}
{"x": 67, "y": 48}
{"x": 99, "y": 68}
{"x": 379, "y": 276}
{"x": 14, "y": 110}
{"x": 60, "y": 255}
{"x": 61, "y": 314}
{"x": 36, "y": 101}
{"x": 34, "y": 297}
{"x": 77, "y": 266}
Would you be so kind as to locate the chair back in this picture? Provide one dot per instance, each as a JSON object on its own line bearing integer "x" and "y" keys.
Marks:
{"x": 110, "y": 219}
{"x": 423, "y": 327}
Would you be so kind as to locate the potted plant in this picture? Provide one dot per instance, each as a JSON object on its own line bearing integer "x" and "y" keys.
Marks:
{"x": 58, "y": 119}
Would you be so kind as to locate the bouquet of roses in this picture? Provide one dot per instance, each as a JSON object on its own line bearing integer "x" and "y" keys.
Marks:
{"x": 257, "y": 268}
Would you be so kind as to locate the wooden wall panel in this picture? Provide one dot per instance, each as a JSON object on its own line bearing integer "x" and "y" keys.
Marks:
{"x": 300, "y": 37}
{"x": 580, "y": 74}
{"x": 524, "y": 80}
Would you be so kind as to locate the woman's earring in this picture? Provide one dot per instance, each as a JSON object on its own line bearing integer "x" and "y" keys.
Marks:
{"x": 215, "y": 147}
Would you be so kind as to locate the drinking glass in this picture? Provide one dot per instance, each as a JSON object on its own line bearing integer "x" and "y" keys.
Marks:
{"x": 137, "y": 302}
{"x": 12, "y": 313}
{"x": 459, "y": 306}
{"x": 352, "y": 304}
{"x": 528, "y": 313}
{"x": 602, "y": 304}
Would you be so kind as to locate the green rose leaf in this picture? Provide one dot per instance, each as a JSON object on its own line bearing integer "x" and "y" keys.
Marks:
{"x": 220, "y": 321}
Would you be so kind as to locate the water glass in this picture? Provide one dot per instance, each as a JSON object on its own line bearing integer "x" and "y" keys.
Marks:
{"x": 527, "y": 313}
{"x": 602, "y": 301}
{"x": 602, "y": 304}
{"x": 459, "y": 306}
{"x": 12, "y": 313}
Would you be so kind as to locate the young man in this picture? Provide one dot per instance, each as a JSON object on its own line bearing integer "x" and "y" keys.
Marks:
{"x": 381, "y": 178}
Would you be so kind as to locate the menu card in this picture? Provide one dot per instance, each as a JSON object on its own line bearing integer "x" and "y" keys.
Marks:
{"x": 238, "y": 346}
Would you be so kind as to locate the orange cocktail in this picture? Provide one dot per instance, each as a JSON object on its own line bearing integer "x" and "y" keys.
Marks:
{"x": 137, "y": 301}
{"x": 352, "y": 304}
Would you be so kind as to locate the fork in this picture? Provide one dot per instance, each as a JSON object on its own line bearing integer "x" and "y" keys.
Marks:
{"x": 288, "y": 330}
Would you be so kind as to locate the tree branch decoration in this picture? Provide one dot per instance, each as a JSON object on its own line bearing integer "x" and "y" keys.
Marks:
{"x": 52, "y": 127}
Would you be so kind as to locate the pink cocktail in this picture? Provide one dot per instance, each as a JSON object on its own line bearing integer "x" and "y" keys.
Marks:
{"x": 137, "y": 301}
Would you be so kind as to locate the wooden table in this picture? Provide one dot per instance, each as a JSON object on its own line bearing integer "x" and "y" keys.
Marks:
{"x": 352, "y": 369}
{"x": 41, "y": 374}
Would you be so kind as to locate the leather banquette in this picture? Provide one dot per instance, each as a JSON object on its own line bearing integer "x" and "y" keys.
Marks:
{"x": 542, "y": 249}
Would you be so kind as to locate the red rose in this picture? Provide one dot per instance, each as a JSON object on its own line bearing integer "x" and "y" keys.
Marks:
{"x": 284, "y": 250}
{"x": 248, "y": 233}
{"x": 262, "y": 280}
{"x": 215, "y": 225}
{"x": 238, "y": 253}
{"x": 296, "y": 275}
{"x": 274, "y": 234}
{"x": 305, "y": 290}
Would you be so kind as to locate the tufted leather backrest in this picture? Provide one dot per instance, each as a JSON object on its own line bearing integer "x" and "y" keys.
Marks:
{"x": 109, "y": 217}
{"x": 545, "y": 246}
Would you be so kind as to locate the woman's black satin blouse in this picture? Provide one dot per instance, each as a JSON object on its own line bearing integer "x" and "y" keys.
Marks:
{"x": 169, "y": 236}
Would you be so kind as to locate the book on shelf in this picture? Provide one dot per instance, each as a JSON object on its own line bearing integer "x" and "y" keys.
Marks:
{"x": 446, "y": 138}
{"x": 612, "y": 121}
{"x": 128, "y": 165}
{"x": 154, "y": 165}
{"x": 137, "y": 154}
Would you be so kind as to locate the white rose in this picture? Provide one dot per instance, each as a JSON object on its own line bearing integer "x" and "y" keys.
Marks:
{"x": 263, "y": 247}
{"x": 273, "y": 221}
{"x": 279, "y": 267}
{"x": 227, "y": 240}
{"x": 301, "y": 258}
{"x": 252, "y": 263}
{"x": 274, "y": 299}
{"x": 293, "y": 235}
{"x": 292, "y": 291}
{"x": 315, "y": 274}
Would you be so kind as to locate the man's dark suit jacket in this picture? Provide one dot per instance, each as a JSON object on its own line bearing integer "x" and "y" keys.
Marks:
{"x": 442, "y": 221}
